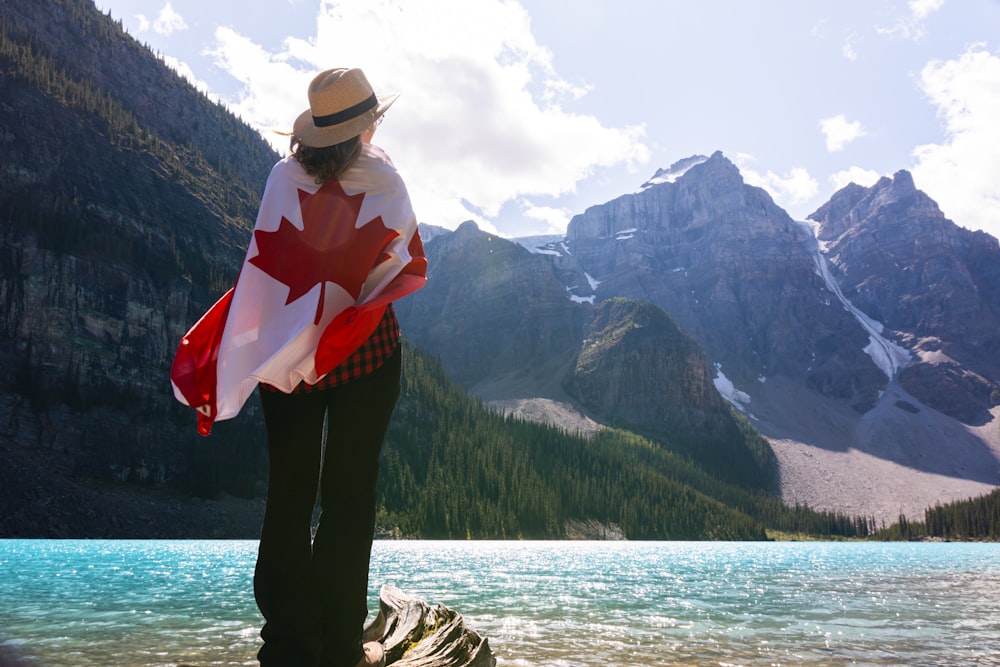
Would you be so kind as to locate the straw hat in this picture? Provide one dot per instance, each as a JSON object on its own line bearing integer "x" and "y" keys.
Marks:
{"x": 342, "y": 105}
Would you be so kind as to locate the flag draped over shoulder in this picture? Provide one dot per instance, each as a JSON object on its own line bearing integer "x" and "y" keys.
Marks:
{"x": 320, "y": 269}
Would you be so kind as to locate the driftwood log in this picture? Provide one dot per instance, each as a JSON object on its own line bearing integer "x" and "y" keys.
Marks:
{"x": 414, "y": 634}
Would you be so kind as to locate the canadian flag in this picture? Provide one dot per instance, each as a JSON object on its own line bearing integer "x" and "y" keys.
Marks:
{"x": 320, "y": 269}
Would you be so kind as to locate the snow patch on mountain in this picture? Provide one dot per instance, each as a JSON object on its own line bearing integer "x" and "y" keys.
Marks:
{"x": 675, "y": 171}
{"x": 592, "y": 282}
{"x": 728, "y": 391}
{"x": 888, "y": 355}
{"x": 543, "y": 244}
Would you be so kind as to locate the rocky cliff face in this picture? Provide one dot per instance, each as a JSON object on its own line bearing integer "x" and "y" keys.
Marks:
{"x": 126, "y": 202}
{"x": 734, "y": 271}
{"x": 934, "y": 284}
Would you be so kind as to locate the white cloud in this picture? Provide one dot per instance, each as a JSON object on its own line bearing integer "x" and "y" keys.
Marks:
{"x": 144, "y": 23}
{"x": 848, "y": 50}
{"x": 858, "y": 175}
{"x": 795, "y": 187}
{"x": 556, "y": 219}
{"x": 168, "y": 21}
{"x": 273, "y": 93}
{"x": 839, "y": 132}
{"x": 921, "y": 9}
{"x": 962, "y": 173}
{"x": 912, "y": 25}
{"x": 481, "y": 119}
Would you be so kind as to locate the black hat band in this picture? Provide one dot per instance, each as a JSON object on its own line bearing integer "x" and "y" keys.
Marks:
{"x": 347, "y": 114}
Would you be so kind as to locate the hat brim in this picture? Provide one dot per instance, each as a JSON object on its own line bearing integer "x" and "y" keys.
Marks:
{"x": 321, "y": 137}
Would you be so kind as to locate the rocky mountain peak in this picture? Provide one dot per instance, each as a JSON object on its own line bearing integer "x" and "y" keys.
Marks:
{"x": 467, "y": 229}
{"x": 933, "y": 283}
{"x": 720, "y": 164}
{"x": 888, "y": 201}
{"x": 902, "y": 182}
{"x": 699, "y": 169}
{"x": 698, "y": 196}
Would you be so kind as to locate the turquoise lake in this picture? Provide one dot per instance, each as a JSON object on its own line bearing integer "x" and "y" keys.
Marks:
{"x": 562, "y": 604}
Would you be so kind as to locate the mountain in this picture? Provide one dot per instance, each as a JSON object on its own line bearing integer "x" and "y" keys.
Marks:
{"x": 637, "y": 369}
{"x": 720, "y": 257}
{"x": 861, "y": 342}
{"x": 454, "y": 470}
{"x": 505, "y": 325}
{"x": 126, "y": 202}
{"x": 494, "y": 306}
{"x": 935, "y": 285}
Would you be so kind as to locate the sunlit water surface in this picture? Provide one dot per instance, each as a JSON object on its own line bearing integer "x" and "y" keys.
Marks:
{"x": 562, "y": 604}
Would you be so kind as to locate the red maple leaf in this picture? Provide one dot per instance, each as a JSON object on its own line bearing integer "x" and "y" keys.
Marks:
{"x": 328, "y": 248}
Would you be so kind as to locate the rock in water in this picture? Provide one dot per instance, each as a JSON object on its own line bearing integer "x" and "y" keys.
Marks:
{"x": 415, "y": 634}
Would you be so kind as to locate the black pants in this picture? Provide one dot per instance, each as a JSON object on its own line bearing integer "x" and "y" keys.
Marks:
{"x": 313, "y": 593}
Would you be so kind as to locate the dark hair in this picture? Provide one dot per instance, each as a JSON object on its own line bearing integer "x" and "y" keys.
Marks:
{"x": 328, "y": 163}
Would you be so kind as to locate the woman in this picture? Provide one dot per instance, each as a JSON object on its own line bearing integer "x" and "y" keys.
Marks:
{"x": 314, "y": 600}
{"x": 310, "y": 319}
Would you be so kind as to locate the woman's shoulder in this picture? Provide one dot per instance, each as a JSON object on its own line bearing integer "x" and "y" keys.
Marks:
{"x": 289, "y": 171}
{"x": 287, "y": 165}
{"x": 376, "y": 163}
{"x": 377, "y": 155}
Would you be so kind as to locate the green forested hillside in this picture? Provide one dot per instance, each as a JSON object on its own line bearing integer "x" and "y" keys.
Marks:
{"x": 108, "y": 162}
{"x": 453, "y": 469}
{"x": 638, "y": 370}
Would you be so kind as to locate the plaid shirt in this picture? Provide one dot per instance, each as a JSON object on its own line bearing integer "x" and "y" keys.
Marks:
{"x": 366, "y": 360}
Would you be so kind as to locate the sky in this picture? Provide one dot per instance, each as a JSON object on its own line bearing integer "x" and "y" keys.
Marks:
{"x": 520, "y": 114}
